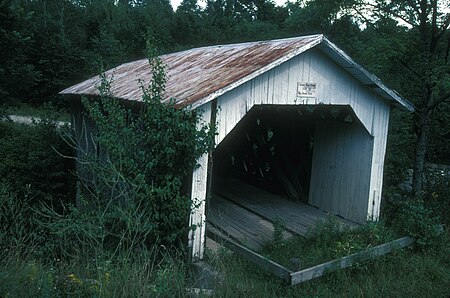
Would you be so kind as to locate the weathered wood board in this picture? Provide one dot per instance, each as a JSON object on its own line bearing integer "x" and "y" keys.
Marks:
{"x": 264, "y": 263}
{"x": 294, "y": 278}
{"x": 240, "y": 224}
{"x": 344, "y": 262}
{"x": 341, "y": 170}
{"x": 198, "y": 196}
{"x": 297, "y": 217}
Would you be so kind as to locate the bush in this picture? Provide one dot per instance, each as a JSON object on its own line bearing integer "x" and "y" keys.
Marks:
{"x": 32, "y": 161}
{"x": 417, "y": 220}
{"x": 437, "y": 194}
{"x": 135, "y": 198}
{"x": 424, "y": 218}
{"x": 32, "y": 172}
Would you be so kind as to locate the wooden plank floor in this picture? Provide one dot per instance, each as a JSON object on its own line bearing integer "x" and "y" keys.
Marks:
{"x": 246, "y": 214}
{"x": 240, "y": 224}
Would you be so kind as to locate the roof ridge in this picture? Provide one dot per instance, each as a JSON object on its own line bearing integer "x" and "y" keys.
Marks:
{"x": 245, "y": 43}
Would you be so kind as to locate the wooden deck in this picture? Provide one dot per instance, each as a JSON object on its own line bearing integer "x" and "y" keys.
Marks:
{"x": 246, "y": 214}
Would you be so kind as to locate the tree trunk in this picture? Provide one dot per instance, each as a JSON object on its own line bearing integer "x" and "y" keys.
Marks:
{"x": 420, "y": 152}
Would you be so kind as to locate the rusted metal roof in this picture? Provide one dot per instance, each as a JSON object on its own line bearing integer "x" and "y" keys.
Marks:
{"x": 199, "y": 75}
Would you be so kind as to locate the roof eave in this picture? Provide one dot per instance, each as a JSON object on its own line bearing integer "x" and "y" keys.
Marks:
{"x": 366, "y": 78}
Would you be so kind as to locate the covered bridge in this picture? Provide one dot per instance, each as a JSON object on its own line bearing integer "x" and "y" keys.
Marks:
{"x": 299, "y": 124}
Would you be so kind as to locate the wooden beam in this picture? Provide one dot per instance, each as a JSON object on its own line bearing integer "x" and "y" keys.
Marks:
{"x": 344, "y": 262}
{"x": 259, "y": 260}
{"x": 294, "y": 278}
{"x": 198, "y": 197}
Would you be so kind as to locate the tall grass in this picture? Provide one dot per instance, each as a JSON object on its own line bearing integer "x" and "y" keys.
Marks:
{"x": 148, "y": 274}
{"x": 64, "y": 256}
{"x": 403, "y": 273}
{"x": 327, "y": 241}
{"x": 158, "y": 272}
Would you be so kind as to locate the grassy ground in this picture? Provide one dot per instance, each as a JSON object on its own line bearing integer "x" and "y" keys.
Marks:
{"x": 33, "y": 271}
{"x": 326, "y": 242}
{"x": 404, "y": 273}
{"x": 401, "y": 274}
{"x": 143, "y": 276}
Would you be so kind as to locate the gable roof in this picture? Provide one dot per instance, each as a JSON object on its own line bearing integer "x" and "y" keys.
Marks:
{"x": 199, "y": 75}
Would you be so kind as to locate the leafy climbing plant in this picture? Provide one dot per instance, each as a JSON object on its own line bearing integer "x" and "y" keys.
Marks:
{"x": 143, "y": 155}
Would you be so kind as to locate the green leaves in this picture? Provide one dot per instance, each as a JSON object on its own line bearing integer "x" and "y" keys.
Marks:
{"x": 145, "y": 153}
{"x": 418, "y": 221}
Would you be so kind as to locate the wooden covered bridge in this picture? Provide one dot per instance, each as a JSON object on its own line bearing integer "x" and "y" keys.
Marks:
{"x": 302, "y": 133}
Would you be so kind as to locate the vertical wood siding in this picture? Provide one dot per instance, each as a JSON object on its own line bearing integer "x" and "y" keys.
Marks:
{"x": 279, "y": 86}
{"x": 198, "y": 196}
{"x": 341, "y": 169}
{"x": 334, "y": 87}
{"x": 380, "y": 132}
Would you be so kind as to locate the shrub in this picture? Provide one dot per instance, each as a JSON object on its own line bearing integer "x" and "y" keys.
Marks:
{"x": 418, "y": 221}
{"x": 32, "y": 172}
{"x": 32, "y": 161}
{"x": 135, "y": 198}
{"x": 437, "y": 195}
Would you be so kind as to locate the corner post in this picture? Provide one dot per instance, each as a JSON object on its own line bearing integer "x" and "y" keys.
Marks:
{"x": 200, "y": 189}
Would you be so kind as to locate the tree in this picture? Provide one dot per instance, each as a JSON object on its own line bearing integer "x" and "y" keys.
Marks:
{"x": 188, "y": 28}
{"x": 316, "y": 16}
{"x": 18, "y": 72}
{"x": 425, "y": 60}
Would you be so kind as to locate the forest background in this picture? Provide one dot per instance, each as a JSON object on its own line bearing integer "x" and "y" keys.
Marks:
{"x": 48, "y": 45}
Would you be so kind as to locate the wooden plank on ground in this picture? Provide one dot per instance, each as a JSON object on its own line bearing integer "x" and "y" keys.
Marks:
{"x": 237, "y": 223}
{"x": 250, "y": 255}
{"x": 298, "y": 217}
{"x": 344, "y": 262}
{"x": 245, "y": 227}
{"x": 270, "y": 206}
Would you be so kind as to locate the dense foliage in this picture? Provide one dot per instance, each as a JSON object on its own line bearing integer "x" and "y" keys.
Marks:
{"x": 32, "y": 156}
{"x": 106, "y": 246}
{"x": 34, "y": 172}
{"x": 53, "y": 44}
{"x": 143, "y": 156}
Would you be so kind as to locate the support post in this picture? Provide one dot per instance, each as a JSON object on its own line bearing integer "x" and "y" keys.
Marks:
{"x": 198, "y": 195}
{"x": 197, "y": 216}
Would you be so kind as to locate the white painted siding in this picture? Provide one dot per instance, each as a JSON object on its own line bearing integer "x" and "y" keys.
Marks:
{"x": 380, "y": 131}
{"x": 198, "y": 196}
{"x": 341, "y": 169}
{"x": 279, "y": 86}
{"x": 348, "y": 158}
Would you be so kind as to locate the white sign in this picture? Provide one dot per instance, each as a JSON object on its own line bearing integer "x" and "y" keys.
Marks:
{"x": 306, "y": 89}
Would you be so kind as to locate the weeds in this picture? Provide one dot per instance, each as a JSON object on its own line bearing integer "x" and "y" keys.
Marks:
{"x": 327, "y": 241}
{"x": 402, "y": 273}
{"x": 149, "y": 274}
{"x": 278, "y": 228}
